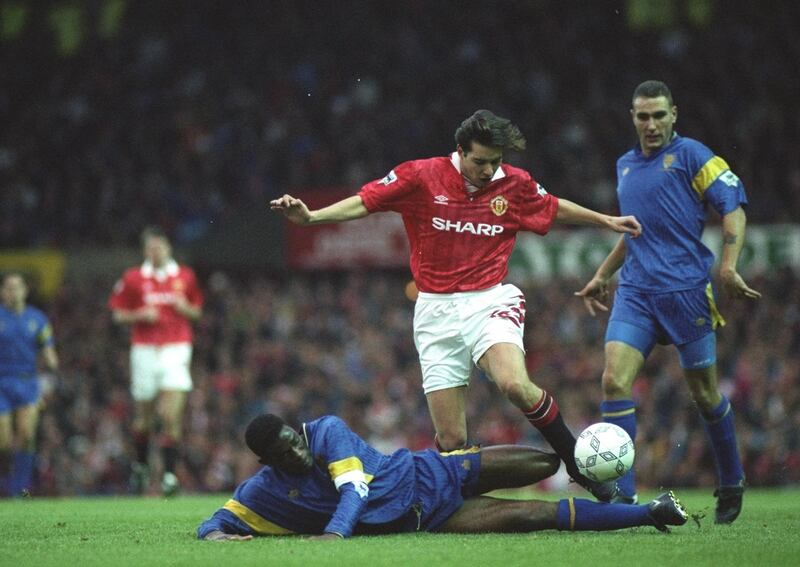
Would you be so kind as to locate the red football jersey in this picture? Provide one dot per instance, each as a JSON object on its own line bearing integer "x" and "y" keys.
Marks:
{"x": 460, "y": 241}
{"x": 142, "y": 286}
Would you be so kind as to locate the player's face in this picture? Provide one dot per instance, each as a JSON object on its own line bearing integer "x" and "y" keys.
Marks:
{"x": 479, "y": 164}
{"x": 14, "y": 292}
{"x": 290, "y": 453}
{"x": 157, "y": 250}
{"x": 654, "y": 120}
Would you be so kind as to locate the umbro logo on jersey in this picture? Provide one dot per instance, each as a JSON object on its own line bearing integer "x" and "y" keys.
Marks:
{"x": 477, "y": 228}
{"x": 440, "y": 200}
{"x": 626, "y": 171}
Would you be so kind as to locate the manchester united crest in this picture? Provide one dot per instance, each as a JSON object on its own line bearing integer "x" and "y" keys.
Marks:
{"x": 499, "y": 205}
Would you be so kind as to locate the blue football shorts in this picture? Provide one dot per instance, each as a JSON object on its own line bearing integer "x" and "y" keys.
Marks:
{"x": 686, "y": 319}
{"x": 443, "y": 481}
{"x": 18, "y": 392}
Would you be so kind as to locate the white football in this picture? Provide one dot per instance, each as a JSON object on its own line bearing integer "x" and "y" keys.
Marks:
{"x": 604, "y": 451}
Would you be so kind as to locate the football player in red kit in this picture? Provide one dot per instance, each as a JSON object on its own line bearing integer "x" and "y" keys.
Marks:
{"x": 159, "y": 299}
{"x": 462, "y": 213}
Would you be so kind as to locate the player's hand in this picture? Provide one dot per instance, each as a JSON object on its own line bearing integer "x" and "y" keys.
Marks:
{"x": 292, "y": 208}
{"x": 735, "y": 286}
{"x": 327, "y": 537}
{"x": 148, "y": 314}
{"x": 626, "y": 225}
{"x": 217, "y": 535}
{"x": 594, "y": 295}
{"x": 182, "y": 305}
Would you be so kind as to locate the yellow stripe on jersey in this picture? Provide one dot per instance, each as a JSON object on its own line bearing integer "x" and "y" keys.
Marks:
{"x": 467, "y": 451}
{"x": 618, "y": 413}
{"x": 258, "y": 524}
{"x": 337, "y": 468}
{"x": 716, "y": 317}
{"x": 708, "y": 174}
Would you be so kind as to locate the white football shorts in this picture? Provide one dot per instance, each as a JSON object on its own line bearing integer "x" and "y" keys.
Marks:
{"x": 160, "y": 367}
{"x": 454, "y": 330}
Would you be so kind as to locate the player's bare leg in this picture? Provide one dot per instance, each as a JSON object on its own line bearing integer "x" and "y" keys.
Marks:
{"x": 718, "y": 417}
{"x": 6, "y": 441}
{"x": 505, "y": 365}
{"x": 26, "y": 420}
{"x": 623, "y": 363}
{"x": 171, "y": 404}
{"x": 484, "y": 514}
{"x": 704, "y": 387}
{"x": 448, "y": 413}
{"x": 511, "y": 466}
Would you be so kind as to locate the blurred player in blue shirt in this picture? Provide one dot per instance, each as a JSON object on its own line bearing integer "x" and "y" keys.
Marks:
{"x": 665, "y": 294}
{"x": 24, "y": 333}
{"x": 324, "y": 480}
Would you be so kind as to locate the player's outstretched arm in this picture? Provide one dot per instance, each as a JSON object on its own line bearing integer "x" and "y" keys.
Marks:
{"x": 572, "y": 213}
{"x": 595, "y": 293}
{"x": 733, "y": 227}
{"x": 297, "y": 212}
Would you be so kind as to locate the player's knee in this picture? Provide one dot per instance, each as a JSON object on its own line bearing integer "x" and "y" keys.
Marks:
{"x": 26, "y": 439}
{"x": 451, "y": 440}
{"x": 517, "y": 391}
{"x": 548, "y": 464}
{"x": 706, "y": 400}
{"x": 615, "y": 384}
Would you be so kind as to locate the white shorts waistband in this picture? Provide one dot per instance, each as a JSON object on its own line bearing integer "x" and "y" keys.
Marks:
{"x": 428, "y": 296}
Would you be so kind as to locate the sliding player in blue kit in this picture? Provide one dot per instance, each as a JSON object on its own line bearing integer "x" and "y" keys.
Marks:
{"x": 664, "y": 294}
{"x": 325, "y": 481}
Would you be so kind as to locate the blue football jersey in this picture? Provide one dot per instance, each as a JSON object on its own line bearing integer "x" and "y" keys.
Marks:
{"x": 669, "y": 193}
{"x": 272, "y": 502}
{"x": 22, "y": 335}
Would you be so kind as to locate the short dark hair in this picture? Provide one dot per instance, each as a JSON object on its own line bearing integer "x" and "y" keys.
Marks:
{"x": 13, "y": 274}
{"x": 486, "y": 128}
{"x": 652, "y": 89}
{"x": 153, "y": 232}
{"x": 261, "y": 434}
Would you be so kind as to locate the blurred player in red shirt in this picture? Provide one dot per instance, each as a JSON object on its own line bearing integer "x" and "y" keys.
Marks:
{"x": 462, "y": 213}
{"x": 159, "y": 299}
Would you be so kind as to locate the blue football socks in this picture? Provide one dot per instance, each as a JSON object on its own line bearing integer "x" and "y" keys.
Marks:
{"x": 623, "y": 414}
{"x": 578, "y": 514}
{"x": 720, "y": 428}
{"x": 21, "y": 473}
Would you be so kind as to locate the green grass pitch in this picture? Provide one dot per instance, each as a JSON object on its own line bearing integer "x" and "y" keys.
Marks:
{"x": 121, "y": 531}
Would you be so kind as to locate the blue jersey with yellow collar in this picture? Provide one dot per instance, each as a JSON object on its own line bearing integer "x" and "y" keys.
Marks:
{"x": 669, "y": 193}
{"x": 22, "y": 335}
{"x": 272, "y": 502}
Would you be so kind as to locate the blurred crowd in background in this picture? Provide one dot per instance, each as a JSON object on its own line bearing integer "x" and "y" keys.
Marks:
{"x": 185, "y": 114}
{"x": 313, "y": 345}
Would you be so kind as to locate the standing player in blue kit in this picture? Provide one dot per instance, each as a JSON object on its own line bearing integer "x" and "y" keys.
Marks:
{"x": 665, "y": 295}
{"x": 25, "y": 333}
